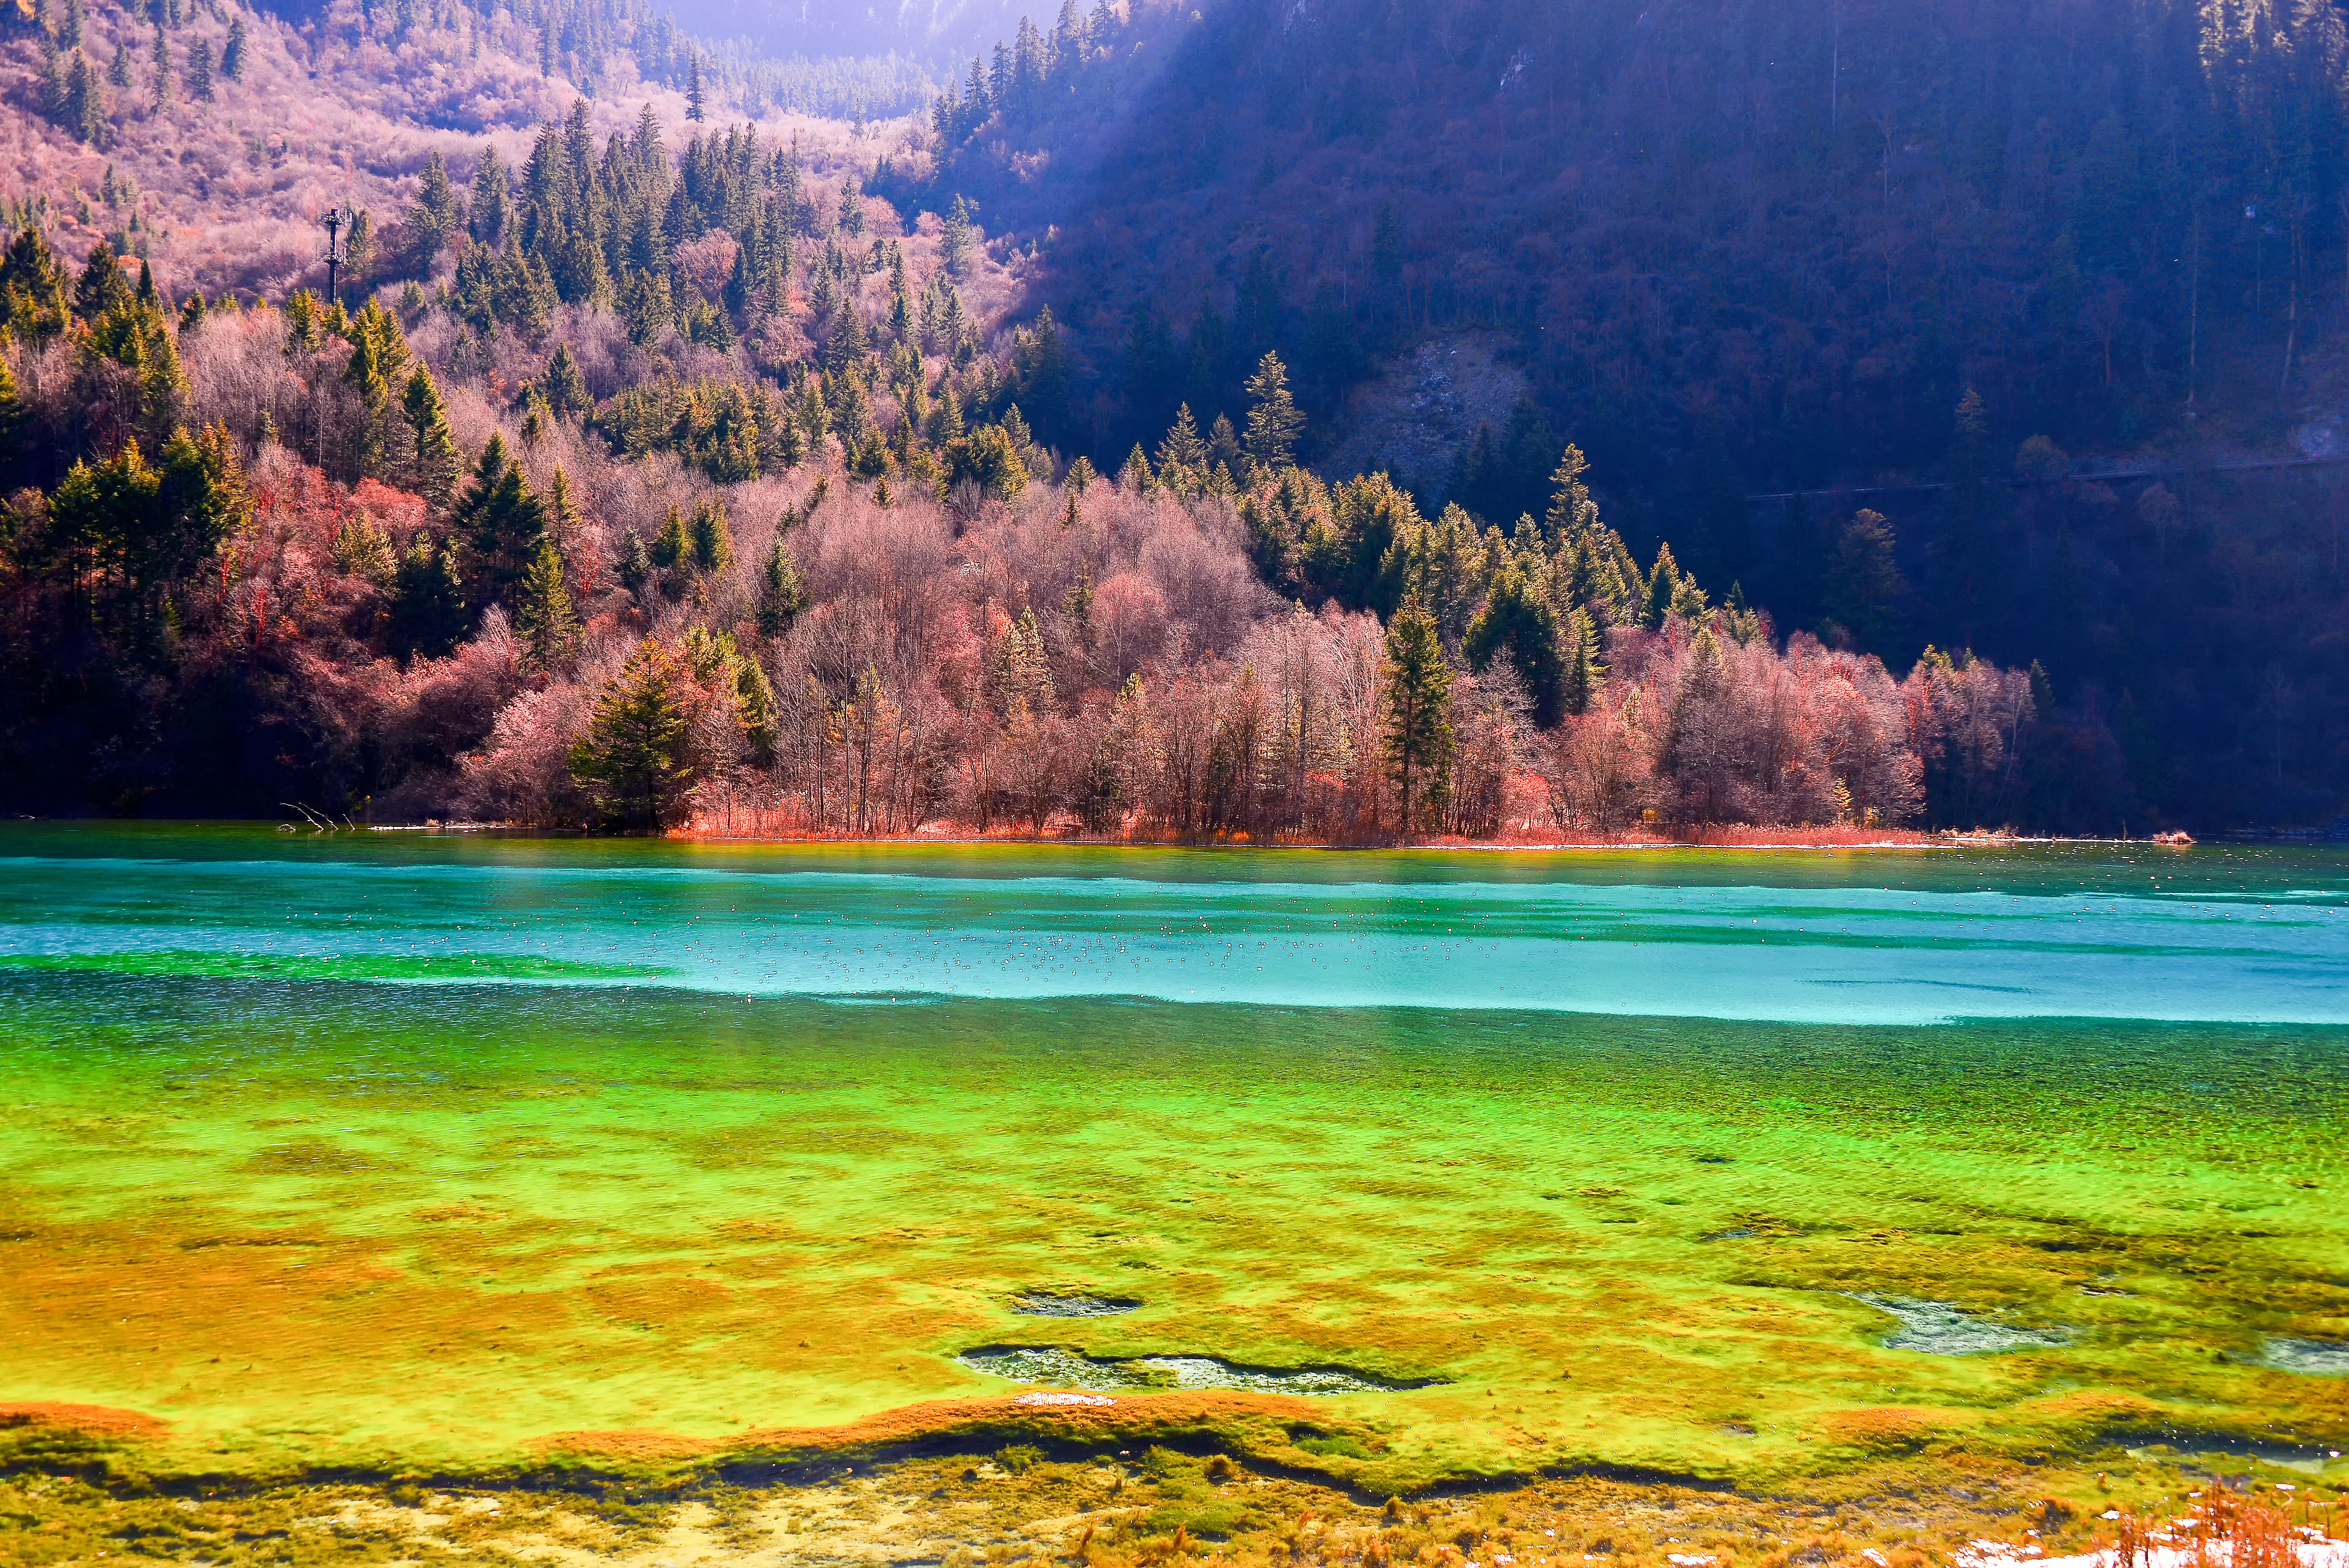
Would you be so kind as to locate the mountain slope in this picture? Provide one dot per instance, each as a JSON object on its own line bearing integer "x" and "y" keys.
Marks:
{"x": 1739, "y": 249}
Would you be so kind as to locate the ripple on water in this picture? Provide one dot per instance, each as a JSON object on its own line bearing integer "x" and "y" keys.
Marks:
{"x": 1073, "y": 1369}
{"x": 1055, "y": 1303}
{"x": 2315, "y": 1358}
{"x": 1937, "y": 1328}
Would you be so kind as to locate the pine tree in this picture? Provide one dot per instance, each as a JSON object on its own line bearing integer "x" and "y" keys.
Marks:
{"x": 500, "y": 522}
{"x": 713, "y": 541}
{"x": 543, "y": 613}
{"x": 35, "y": 304}
{"x": 1183, "y": 449}
{"x": 160, "y": 79}
{"x": 782, "y": 593}
{"x": 1579, "y": 684}
{"x": 1517, "y": 621}
{"x": 53, "y": 78}
{"x": 673, "y": 546}
{"x": 362, "y": 550}
{"x": 1573, "y": 515}
{"x": 118, "y": 71}
{"x": 485, "y": 200}
{"x": 83, "y": 111}
{"x": 428, "y": 602}
{"x": 695, "y": 108}
{"x": 433, "y": 217}
{"x": 200, "y": 71}
{"x": 954, "y": 240}
{"x": 1417, "y": 724}
{"x": 1663, "y": 586}
{"x": 636, "y": 563}
{"x": 436, "y": 465}
{"x": 1223, "y": 444}
{"x": 1135, "y": 476}
{"x": 563, "y": 520}
{"x": 1865, "y": 583}
{"x": 102, "y": 290}
{"x": 634, "y": 758}
{"x": 11, "y": 425}
{"x": 564, "y": 387}
{"x": 379, "y": 363}
{"x": 1970, "y": 559}
{"x": 234, "y": 53}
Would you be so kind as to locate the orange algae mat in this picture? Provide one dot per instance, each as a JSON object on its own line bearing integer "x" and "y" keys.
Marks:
{"x": 312, "y": 1221}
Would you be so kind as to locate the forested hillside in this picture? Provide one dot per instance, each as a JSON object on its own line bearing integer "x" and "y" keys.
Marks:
{"x": 1738, "y": 250}
{"x": 665, "y": 455}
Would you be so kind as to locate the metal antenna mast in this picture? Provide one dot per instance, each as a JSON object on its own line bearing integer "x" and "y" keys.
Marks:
{"x": 334, "y": 222}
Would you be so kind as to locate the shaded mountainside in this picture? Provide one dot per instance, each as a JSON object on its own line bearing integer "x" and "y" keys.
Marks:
{"x": 1742, "y": 250}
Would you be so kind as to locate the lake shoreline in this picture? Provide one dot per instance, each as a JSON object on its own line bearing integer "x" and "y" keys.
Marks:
{"x": 1800, "y": 841}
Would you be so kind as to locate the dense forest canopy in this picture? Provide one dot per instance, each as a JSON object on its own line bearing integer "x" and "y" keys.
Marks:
{"x": 1747, "y": 250}
{"x": 697, "y": 447}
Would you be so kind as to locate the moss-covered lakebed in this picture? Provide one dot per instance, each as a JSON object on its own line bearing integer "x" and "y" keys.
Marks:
{"x": 429, "y": 1224}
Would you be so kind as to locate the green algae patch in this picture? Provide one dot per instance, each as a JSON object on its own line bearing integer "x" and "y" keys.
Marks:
{"x": 315, "y": 1222}
{"x": 203, "y": 963}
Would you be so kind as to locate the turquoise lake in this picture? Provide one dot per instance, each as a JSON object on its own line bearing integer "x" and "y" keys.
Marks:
{"x": 2226, "y": 934}
{"x": 397, "y": 1148}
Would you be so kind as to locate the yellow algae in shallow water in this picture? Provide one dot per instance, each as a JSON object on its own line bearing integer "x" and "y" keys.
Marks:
{"x": 347, "y": 1223}
{"x": 322, "y": 1214}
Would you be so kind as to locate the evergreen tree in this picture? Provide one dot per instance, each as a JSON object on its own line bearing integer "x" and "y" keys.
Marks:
{"x": 433, "y": 217}
{"x": 118, "y": 71}
{"x": 1572, "y": 515}
{"x": 713, "y": 541}
{"x": 364, "y": 550}
{"x": 85, "y": 105}
{"x": 1582, "y": 675}
{"x": 1416, "y": 728}
{"x": 35, "y": 304}
{"x": 435, "y": 464}
{"x": 234, "y": 52}
{"x": 543, "y": 614}
{"x": 428, "y": 602}
{"x": 1865, "y": 584}
{"x": 1517, "y": 621}
{"x": 564, "y": 389}
{"x": 1663, "y": 583}
{"x": 782, "y": 593}
{"x": 485, "y": 200}
{"x": 1223, "y": 449}
{"x": 1135, "y": 476}
{"x": 11, "y": 425}
{"x": 1183, "y": 449}
{"x": 636, "y": 563}
{"x": 500, "y": 522}
{"x": 563, "y": 520}
{"x": 102, "y": 290}
{"x": 954, "y": 240}
{"x": 696, "y": 110}
{"x": 1969, "y": 564}
{"x": 159, "y": 77}
{"x": 379, "y": 357}
{"x": 200, "y": 71}
{"x": 673, "y": 546}
{"x": 635, "y": 757}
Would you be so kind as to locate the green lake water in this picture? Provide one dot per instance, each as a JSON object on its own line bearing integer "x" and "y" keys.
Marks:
{"x": 324, "y": 1148}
